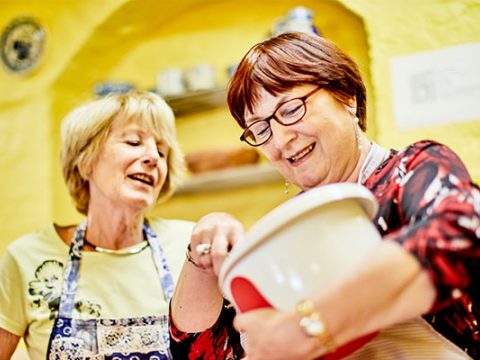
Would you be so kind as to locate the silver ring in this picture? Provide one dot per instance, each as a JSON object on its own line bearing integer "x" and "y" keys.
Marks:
{"x": 203, "y": 249}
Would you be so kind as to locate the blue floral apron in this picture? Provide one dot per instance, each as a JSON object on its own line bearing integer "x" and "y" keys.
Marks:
{"x": 130, "y": 338}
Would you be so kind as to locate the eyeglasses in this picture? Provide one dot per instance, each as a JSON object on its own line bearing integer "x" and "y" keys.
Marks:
{"x": 287, "y": 113}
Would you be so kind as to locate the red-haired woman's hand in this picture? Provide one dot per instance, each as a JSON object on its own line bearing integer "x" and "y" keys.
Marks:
{"x": 213, "y": 237}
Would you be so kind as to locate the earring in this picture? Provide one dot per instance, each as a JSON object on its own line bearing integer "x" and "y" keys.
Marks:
{"x": 357, "y": 132}
{"x": 287, "y": 184}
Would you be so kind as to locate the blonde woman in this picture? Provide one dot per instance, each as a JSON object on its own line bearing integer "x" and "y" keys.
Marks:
{"x": 101, "y": 288}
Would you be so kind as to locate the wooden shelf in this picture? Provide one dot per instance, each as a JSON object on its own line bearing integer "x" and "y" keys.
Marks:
{"x": 196, "y": 101}
{"x": 230, "y": 178}
{"x": 187, "y": 103}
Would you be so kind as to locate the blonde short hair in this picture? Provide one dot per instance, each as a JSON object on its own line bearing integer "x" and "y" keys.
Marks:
{"x": 86, "y": 128}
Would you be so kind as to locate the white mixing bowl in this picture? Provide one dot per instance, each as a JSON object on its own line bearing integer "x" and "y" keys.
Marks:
{"x": 305, "y": 243}
{"x": 300, "y": 247}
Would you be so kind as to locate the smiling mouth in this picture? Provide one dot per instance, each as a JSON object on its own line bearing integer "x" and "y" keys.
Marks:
{"x": 144, "y": 178}
{"x": 302, "y": 154}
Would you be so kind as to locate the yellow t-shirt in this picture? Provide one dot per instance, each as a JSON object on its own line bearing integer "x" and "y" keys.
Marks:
{"x": 110, "y": 286}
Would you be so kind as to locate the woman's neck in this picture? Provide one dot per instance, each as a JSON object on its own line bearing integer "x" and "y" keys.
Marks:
{"x": 114, "y": 230}
{"x": 362, "y": 155}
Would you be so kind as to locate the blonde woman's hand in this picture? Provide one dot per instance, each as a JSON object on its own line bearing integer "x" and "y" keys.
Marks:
{"x": 213, "y": 237}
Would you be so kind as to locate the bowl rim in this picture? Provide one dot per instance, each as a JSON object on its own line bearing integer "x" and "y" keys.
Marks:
{"x": 293, "y": 208}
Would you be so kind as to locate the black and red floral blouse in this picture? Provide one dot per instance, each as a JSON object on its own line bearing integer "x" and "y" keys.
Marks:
{"x": 429, "y": 204}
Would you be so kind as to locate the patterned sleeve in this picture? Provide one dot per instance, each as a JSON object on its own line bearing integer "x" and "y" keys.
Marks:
{"x": 441, "y": 205}
{"x": 220, "y": 342}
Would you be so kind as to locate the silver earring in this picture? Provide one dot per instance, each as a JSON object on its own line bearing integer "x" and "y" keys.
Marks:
{"x": 357, "y": 132}
{"x": 287, "y": 184}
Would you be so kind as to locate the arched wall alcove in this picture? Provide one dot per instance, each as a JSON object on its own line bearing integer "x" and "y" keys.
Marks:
{"x": 90, "y": 41}
{"x": 139, "y": 39}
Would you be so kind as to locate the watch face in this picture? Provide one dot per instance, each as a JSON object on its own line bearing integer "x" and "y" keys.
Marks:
{"x": 21, "y": 45}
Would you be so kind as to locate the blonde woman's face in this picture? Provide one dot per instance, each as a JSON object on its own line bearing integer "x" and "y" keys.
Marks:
{"x": 130, "y": 169}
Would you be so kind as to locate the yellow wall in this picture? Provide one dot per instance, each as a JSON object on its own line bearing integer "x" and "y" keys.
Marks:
{"x": 399, "y": 28}
{"x": 221, "y": 32}
{"x": 26, "y": 121}
{"x": 90, "y": 41}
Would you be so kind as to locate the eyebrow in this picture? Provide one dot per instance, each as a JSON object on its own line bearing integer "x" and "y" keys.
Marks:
{"x": 282, "y": 100}
{"x": 129, "y": 132}
{"x": 139, "y": 131}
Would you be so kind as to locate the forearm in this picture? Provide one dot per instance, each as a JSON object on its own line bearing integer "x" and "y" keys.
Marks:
{"x": 387, "y": 288}
{"x": 197, "y": 301}
{"x": 8, "y": 344}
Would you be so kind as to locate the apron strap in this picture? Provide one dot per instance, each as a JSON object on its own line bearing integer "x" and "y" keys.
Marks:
{"x": 72, "y": 271}
{"x": 160, "y": 260}
{"x": 70, "y": 278}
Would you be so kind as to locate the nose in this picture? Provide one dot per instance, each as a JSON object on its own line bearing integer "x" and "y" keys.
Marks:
{"x": 151, "y": 156}
{"x": 281, "y": 134}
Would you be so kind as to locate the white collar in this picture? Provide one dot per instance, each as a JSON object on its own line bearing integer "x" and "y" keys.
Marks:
{"x": 374, "y": 158}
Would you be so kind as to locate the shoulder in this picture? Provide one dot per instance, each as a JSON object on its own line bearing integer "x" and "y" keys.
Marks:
{"x": 172, "y": 232}
{"x": 38, "y": 240}
{"x": 430, "y": 146}
{"x": 173, "y": 236}
{"x": 435, "y": 155}
{"x": 35, "y": 248}
{"x": 167, "y": 225}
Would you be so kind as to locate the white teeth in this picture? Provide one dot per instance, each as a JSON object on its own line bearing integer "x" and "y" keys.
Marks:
{"x": 142, "y": 177}
{"x": 302, "y": 154}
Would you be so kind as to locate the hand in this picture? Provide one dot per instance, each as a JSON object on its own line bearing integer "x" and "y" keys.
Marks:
{"x": 275, "y": 335}
{"x": 221, "y": 232}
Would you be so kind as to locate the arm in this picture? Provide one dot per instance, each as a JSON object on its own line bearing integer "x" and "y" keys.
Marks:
{"x": 8, "y": 344}
{"x": 440, "y": 209}
{"x": 199, "y": 318}
{"x": 432, "y": 252}
{"x": 12, "y": 308}
{"x": 374, "y": 295}
{"x": 197, "y": 301}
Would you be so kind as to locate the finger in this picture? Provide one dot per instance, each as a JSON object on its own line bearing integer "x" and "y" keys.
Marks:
{"x": 219, "y": 230}
{"x": 205, "y": 260}
{"x": 237, "y": 234}
{"x": 239, "y": 322}
{"x": 228, "y": 232}
{"x": 220, "y": 250}
{"x": 203, "y": 249}
{"x": 200, "y": 243}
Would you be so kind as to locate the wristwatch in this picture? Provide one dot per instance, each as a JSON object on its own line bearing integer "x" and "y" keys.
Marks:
{"x": 314, "y": 325}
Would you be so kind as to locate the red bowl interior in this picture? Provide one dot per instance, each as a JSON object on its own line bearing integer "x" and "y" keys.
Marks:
{"x": 247, "y": 297}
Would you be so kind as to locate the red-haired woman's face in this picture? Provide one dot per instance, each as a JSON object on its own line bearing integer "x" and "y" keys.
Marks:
{"x": 319, "y": 149}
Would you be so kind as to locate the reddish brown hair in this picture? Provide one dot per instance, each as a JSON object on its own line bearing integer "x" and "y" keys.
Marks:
{"x": 289, "y": 60}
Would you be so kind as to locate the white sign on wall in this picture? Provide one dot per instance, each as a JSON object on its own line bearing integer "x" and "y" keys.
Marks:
{"x": 437, "y": 87}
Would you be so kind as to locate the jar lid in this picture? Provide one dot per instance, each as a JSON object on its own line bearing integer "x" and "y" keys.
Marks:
{"x": 300, "y": 12}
